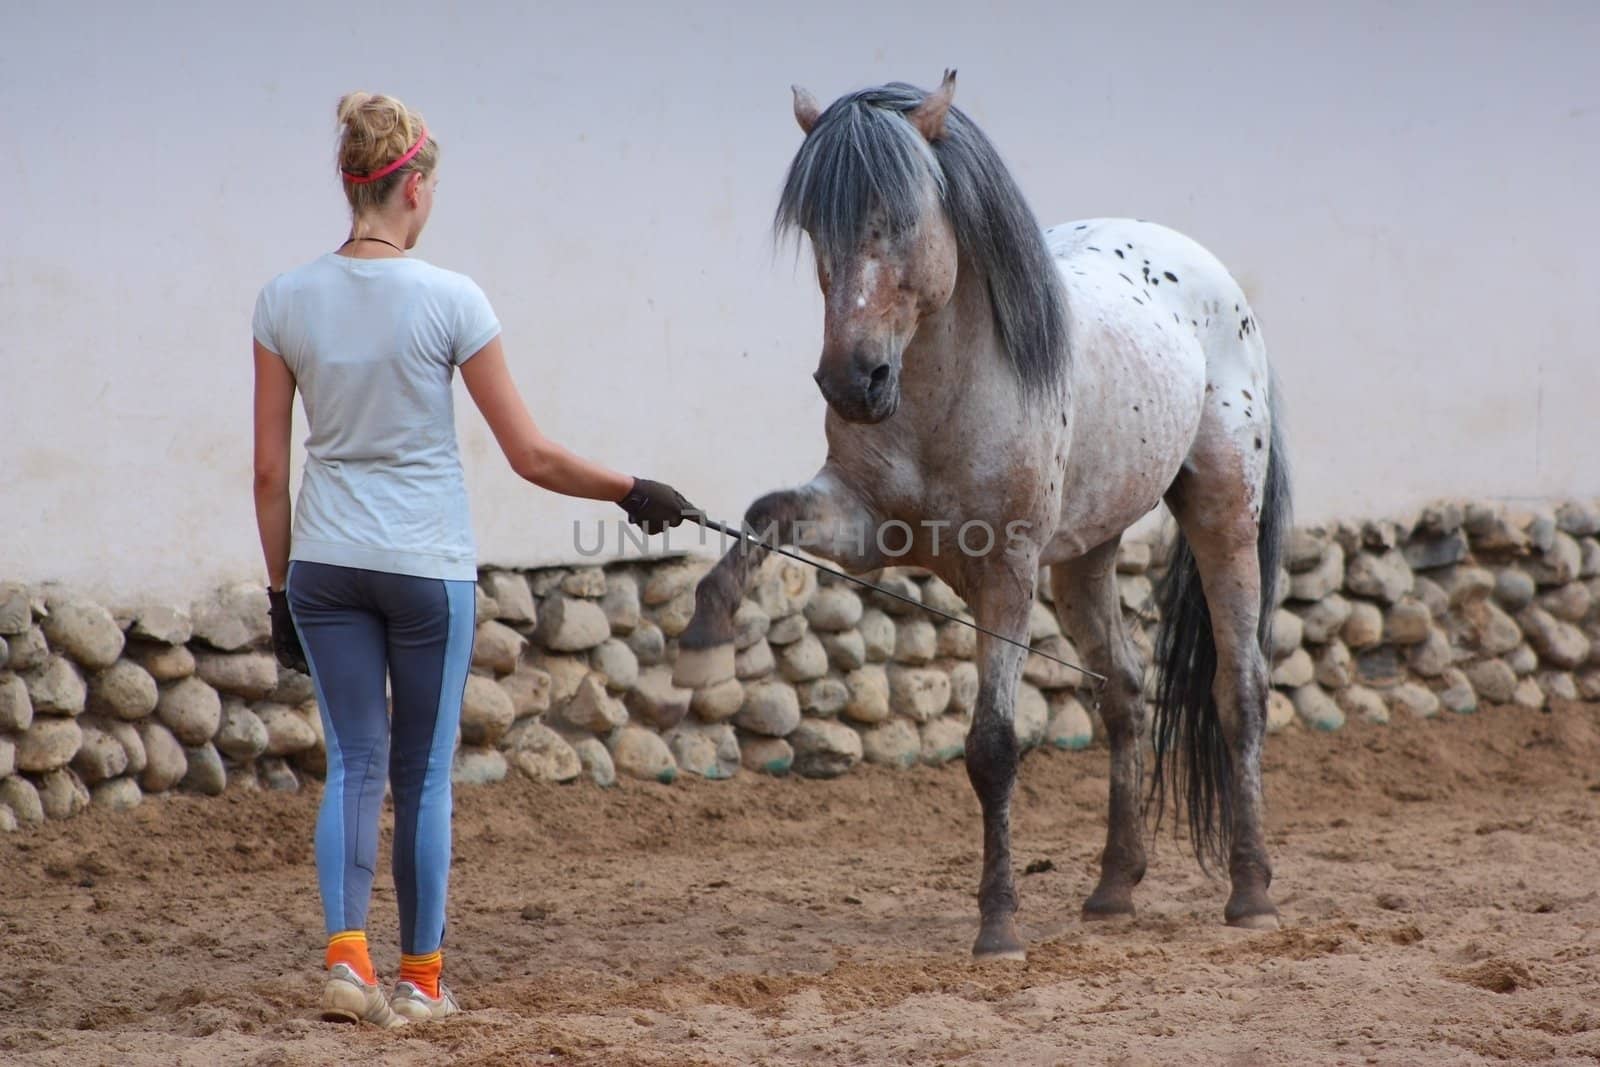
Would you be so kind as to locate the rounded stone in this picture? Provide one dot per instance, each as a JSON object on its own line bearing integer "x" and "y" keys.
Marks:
{"x": 165, "y": 761}
{"x": 649, "y": 644}
{"x": 1053, "y": 673}
{"x": 895, "y": 743}
{"x": 833, "y": 609}
{"x": 165, "y": 663}
{"x": 1297, "y": 670}
{"x": 542, "y": 754}
{"x": 1364, "y": 627}
{"x": 232, "y": 618}
{"x": 1382, "y": 576}
{"x": 823, "y": 697}
{"x": 1322, "y": 621}
{"x": 1031, "y": 716}
{"x": 869, "y": 694}
{"x": 191, "y": 709}
{"x": 957, "y": 641}
{"x": 920, "y": 693}
{"x": 250, "y": 675}
{"x": 944, "y": 739}
{"x": 1415, "y": 700}
{"x": 529, "y": 689}
{"x": 478, "y": 765}
{"x": 162, "y": 623}
{"x": 1559, "y": 644}
{"x": 288, "y": 731}
{"x": 616, "y": 663}
{"x": 571, "y": 624}
{"x": 877, "y": 635}
{"x": 99, "y": 756}
{"x": 242, "y": 737}
{"x": 706, "y": 750}
{"x": 1362, "y": 703}
{"x": 750, "y": 624}
{"x": 486, "y": 712}
{"x": 596, "y": 761}
{"x": 278, "y": 776}
{"x": 783, "y": 586}
{"x": 1457, "y": 694}
{"x": 1318, "y": 710}
{"x": 16, "y": 608}
{"x": 1070, "y": 727}
{"x": 124, "y": 690}
{"x": 513, "y": 600}
{"x": 118, "y": 794}
{"x": 846, "y": 650}
{"x": 1493, "y": 679}
{"x": 84, "y": 631}
{"x": 1558, "y": 685}
{"x": 787, "y": 630}
{"x": 49, "y": 743}
{"x": 718, "y": 702}
{"x": 62, "y": 794}
{"x": 770, "y": 708}
{"x": 204, "y": 772}
{"x": 669, "y": 582}
{"x": 641, "y": 753}
{"x": 16, "y": 706}
{"x": 766, "y": 755}
{"x": 824, "y": 748}
{"x": 496, "y": 647}
{"x": 1523, "y": 660}
{"x": 56, "y": 687}
{"x": 592, "y": 708}
{"x": 585, "y": 582}
{"x": 964, "y": 684}
{"x": 1514, "y": 589}
{"x": 656, "y": 701}
{"x": 27, "y": 650}
{"x": 22, "y": 797}
{"x": 125, "y": 734}
{"x": 621, "y": 602}
{"x": 804, "y": 660}
{"x": 754, "y": 662}
{"x": 1280, "y": 711}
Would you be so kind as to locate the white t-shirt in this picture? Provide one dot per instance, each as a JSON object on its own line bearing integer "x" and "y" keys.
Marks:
{"x": 373, "y": 345}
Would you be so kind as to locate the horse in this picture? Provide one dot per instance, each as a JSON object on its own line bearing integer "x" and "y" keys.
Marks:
{"x": 982, "y": 374}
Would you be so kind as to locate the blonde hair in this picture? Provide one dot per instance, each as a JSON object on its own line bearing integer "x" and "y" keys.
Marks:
{"x": 374, "y": 131}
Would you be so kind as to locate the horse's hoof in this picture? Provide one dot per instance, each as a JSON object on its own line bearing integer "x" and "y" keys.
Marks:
{"x": 1261, "y": 920}
{"x": 998, "y": 941}
{"x": 1106, "y": 904}
{"x": 697, "y": 668}
{"x": 1251, "y": 909}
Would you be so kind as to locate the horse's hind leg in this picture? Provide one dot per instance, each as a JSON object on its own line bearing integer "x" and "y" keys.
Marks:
{"x": 1222, "y": 531}
{"x": 1087, "y": 601}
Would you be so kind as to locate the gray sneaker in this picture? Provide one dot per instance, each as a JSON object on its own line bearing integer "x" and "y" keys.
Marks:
{"x": 416, "y": 1006}
{"x": 347, "y": 999}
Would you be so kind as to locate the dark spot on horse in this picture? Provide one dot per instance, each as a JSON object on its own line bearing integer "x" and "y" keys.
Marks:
{"x": 1136, "y": 300}
{"x": 1125, "y": 278}
{"x": 1226, "y": 404}
{"x": 1063, "y": 418}
{"x": 1130, "y": 244}
{"x": 1258, "y": 444}
{"x": 1081, "y": 226}
{"x": 1143, "y": 441}
{"x": 1236, "y": 307}
{"x": 1195, "y": 324}
{"x": 1211, "y": 388}
{"x": 1171, "y": 277}
{"x": 1136, "y": 407}
{"x": 1118, "y": 251}
{"x": 1247, "y": 413}
{"x": 1091, "y": 248}
{"x": 1176, "y": 319}
{"x": 1247, "y": 395}
{"x": 1155, "y": 281}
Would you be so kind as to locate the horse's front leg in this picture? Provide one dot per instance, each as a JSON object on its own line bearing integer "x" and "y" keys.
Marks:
{"x": 1001, "y": 596}
{"x": 824, "y": 516}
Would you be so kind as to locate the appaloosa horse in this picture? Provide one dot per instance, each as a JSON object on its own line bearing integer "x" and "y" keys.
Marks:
{"x": 1041, "y": 392}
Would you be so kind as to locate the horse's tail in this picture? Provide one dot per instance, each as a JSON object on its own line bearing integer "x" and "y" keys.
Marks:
{"x": 1190, "y": 748}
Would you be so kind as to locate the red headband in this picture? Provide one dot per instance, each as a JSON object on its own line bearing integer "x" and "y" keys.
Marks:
{"x": 363, "y": 179}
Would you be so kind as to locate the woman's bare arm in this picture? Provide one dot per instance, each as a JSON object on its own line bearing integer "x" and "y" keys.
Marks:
{"x": 274, "y": 417}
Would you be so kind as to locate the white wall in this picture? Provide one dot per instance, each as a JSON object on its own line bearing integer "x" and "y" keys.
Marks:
{"x": 1407, "y": 191}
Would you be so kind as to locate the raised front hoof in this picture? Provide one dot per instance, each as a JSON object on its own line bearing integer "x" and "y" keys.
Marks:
{"x": 697, "y": 668}
{"x": 998, "y": 940}
{"x": 1251, "y": 911}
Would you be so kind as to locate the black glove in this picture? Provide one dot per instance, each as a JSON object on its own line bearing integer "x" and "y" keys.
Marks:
{"x": 285, "y": 639}
{"x": 653, "y": 506}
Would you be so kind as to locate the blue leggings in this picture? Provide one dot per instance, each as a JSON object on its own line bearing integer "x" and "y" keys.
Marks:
{"x": 358, "y": 626}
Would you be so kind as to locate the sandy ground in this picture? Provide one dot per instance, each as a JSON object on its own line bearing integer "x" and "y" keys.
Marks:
{"x": 1438, "y": 882}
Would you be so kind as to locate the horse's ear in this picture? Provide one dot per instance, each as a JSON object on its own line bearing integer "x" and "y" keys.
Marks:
{"x": 806, "y": 110}
{"x": 928, "y": 117}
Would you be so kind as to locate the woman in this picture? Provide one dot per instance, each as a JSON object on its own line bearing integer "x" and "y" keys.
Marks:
{"x": 383, "y": 559}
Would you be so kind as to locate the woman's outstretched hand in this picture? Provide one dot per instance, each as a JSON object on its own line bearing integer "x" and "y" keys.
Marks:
{"x": 654, "y": 506}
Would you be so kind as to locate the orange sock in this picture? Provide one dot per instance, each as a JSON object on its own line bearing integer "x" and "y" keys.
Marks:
{"x": 422, "y": 971}
{"x": 350, "y": 948}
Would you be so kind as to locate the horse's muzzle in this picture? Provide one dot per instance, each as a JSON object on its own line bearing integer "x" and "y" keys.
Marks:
{"x": 868, "y": 394}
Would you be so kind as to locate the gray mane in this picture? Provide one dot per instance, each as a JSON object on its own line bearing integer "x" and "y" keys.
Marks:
{"x": 864, "y": 155}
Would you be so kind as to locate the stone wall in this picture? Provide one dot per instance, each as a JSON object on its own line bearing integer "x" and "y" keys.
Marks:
{"x": 571, "y": 678}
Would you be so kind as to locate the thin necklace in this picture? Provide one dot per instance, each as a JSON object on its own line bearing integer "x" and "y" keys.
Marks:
{"x": 380, "y": 240}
